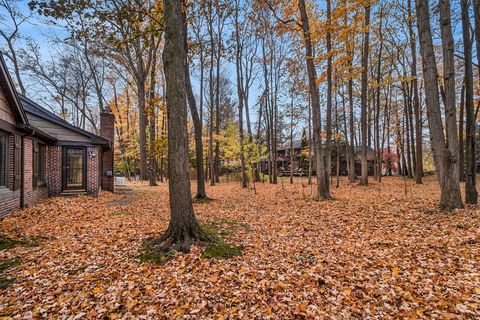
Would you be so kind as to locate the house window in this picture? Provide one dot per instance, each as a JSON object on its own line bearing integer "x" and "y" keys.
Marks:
{"x": 41, "y": 163}
{"x": 3, "y": 159}
{"x": 38, "y": 164}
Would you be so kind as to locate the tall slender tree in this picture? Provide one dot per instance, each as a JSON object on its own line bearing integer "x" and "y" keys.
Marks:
{"x": 471, "y": 194}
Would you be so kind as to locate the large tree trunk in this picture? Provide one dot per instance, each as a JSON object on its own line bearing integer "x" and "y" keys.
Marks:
{"x": 322, "y": 186}
{"x": 363, "y": 120}
{"x": 183, "y": 228}
{"x": 471, "y": 194}
{"x": 444, "y": 157}
{"x": 197, "y": 123}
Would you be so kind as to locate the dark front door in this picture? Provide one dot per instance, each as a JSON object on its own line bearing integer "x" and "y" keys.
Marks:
{"x": 74, "y": 168}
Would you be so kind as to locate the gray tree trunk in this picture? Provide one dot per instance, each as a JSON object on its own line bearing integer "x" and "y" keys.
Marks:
{"x": 471, "y": 194}
{"x": 444, "y": 157}
{"x": 183, "y": 228}
{"x": 364, "y": 98}
{"x": 322, "y": 186}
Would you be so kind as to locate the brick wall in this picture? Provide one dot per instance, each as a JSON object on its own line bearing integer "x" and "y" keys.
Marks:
{"x": 9, "y": 204}
{"x": 54, "y": 170}
{"x": 107, "y": 131}
{"x": 93, "y": 169}
{"x": 27, "y": 171}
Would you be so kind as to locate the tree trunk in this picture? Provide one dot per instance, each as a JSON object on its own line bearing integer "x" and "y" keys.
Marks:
{"x": 461, "y": 141}
{"x": 151, "y": 120}
{"x": 444, "y": 157}
{"x": 322, "y": 187}
{"x": 363, "y": 121}
{"x": 183, "y": 228}
{"x": 240, "y": 92}
{"x": 471, "y": 194}
{"x": 142, "y": 114}
{"x": 328, "y": 115}
{"x": 448, "y": 48}
{"x": 416, "y": 100}
{"x": 197, "y": 123}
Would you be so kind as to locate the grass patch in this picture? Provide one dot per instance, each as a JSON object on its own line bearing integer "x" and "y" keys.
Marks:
{"x": 10, "y": 263}
{"x": 121, "y": 213}
{"x": 150, "y": 255}
{"x": 6, "y": 282}
{"x": 139, "y": 191}
{"x": 219, "y": 229}
{"x": 222, "y": 250}
{"x": 227, "y": 227}
{"x": 202, "y": 200}
{"x": 156, "y": 257}
{"x": 8, "y": 243}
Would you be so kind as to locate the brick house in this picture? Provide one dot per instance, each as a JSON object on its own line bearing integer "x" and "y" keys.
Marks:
{"x": 42, "y": 155}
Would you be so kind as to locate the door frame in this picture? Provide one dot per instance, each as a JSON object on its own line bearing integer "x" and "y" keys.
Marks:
{"x": 64, "y": 169}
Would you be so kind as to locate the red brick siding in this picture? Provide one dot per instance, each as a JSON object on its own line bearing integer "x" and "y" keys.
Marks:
{"x": 9, "y": 204}
{"x": 27, "y": 171}
{"x": 54, "y": 170}
{"x": 107, "y": 131}
{"x": 93, "y": 169}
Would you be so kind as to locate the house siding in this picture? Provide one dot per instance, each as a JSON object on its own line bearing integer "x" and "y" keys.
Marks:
{"x": 59, "y": 132}
{"x": 27, "y": 171}
{"x": 107, "y": 131}
{"x": 54, "y": 170}
{"x": 5, "y": 111}
{"x": 93, "y": 170}
{"x": 9, "y": 202}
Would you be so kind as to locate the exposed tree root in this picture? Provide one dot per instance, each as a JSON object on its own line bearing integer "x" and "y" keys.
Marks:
{"x": 202, "y": 199}
{"x": 181, "y": 239}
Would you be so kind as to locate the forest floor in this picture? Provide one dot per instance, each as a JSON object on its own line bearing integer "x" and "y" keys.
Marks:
{"x": 379, "y": 252}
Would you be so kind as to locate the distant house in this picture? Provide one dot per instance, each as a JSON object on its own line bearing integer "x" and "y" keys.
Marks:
{"x": 300, "y": 148}
{"x": 42, "y": 155}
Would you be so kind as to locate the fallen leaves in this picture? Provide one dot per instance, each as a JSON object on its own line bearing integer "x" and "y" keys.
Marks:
{"x": 370, "y": 253}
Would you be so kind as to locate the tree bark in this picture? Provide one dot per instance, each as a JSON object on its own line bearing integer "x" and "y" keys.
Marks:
{"x": 444, "y": 157}
{"x": 183, "y": 228}
{"x": 416, "y": 100}
{"x": 471, "y": 194}
{"x": 322, "y": 186}
{"x": 151, "y": 120}
{"x": 240, "y": 92}
{"x": 363, "y": 120}
{"x": 197, "y": 123}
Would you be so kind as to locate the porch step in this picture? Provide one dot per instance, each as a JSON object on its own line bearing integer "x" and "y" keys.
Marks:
{"x": 73, "y": 193}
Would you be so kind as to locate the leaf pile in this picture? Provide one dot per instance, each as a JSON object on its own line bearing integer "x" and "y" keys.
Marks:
{"x": 371, "y": 253}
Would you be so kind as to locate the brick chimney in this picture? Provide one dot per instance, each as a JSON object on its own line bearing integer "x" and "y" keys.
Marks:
{"x": 107, "y": 131}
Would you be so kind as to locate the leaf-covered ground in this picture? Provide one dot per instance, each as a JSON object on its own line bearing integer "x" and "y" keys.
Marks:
{"x": 372, "y": 253}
